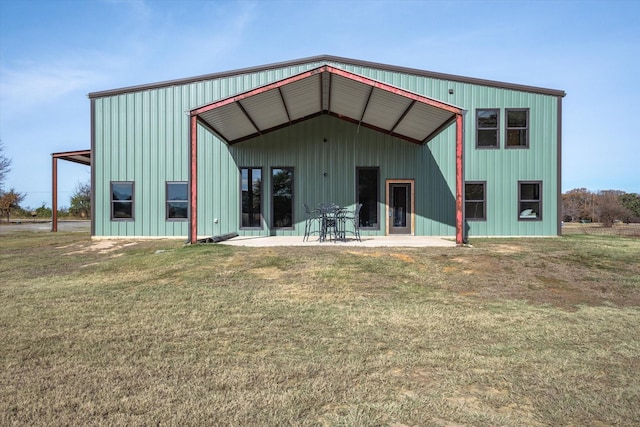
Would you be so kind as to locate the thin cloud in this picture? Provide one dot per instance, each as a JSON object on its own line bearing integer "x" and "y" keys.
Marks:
{"x": 180, "y": 51}
{"x": 32, "y": 84}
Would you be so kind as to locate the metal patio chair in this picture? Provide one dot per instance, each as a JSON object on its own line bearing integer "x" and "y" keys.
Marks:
{"x": 313, "y": 217}
{"x": 352, "y": 217}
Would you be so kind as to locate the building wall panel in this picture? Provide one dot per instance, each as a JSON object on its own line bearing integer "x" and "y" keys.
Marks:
{"x": 143, "y": 137}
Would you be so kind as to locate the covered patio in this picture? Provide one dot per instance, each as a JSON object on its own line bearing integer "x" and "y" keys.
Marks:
{"x": 336, "y": 92}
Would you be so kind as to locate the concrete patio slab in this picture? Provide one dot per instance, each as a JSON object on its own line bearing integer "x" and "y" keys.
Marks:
{"x": 367, "y": 241}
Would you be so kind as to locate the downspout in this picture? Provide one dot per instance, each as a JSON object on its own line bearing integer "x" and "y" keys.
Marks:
{"x": 459, "y": 181}
{"x": 193, "y": 180}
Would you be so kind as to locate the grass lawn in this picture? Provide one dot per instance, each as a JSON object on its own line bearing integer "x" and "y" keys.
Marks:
{"x": 511, "y": 332}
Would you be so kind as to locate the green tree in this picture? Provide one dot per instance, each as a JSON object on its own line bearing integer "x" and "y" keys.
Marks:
{"x": 631, "y": 201}
{"x": 81, "y": 201}
{"x": 10, "y": 200}
{"x": 43, "y": 211}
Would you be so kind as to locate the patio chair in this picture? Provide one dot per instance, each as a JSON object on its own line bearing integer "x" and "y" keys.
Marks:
{"x": 313, "y": 216}
{"x": 353, "y": 217}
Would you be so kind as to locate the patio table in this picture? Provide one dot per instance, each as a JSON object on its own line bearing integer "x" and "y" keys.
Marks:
{"x": 332, "y": 221}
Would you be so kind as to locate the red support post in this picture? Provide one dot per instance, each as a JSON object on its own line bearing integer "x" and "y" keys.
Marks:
{"x": 459, "y": 182}
{"x": 193, "y": 180}
{"x": 54, "y": 194}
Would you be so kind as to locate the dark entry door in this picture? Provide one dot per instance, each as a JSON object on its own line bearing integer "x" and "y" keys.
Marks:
{"x": 400, "y": 207}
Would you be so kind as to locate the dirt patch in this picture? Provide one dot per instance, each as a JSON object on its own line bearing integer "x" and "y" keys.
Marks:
{"x": 101, "y": 246}
{"x": 404, "y": 257}
{"x": 366, "y": 254}
{"x": 508, "y": 249}
{"x": 267, "y": 273}
{"x": 401, "y": 256}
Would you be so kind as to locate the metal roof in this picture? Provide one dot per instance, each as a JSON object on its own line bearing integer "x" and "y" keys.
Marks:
{"x": 331, "y": 59}
{"x": 327, "y": 90}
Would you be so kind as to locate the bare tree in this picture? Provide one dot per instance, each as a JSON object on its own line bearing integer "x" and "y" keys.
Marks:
{"x": 5, "y": 166}
{"x": 577, "y": 204}
{"x": 609, "y": 207}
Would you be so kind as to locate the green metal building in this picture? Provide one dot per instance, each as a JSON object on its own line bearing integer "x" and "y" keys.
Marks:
{"x": 244, "y": 151}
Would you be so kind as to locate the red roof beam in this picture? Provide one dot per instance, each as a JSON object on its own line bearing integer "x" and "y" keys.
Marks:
{"x": 256, "y": 91}
{"x": 393, "y": 89}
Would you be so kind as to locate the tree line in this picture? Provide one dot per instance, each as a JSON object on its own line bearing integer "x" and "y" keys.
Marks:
{"x": 605, "y": 207}
{"x": 80, "y": 205}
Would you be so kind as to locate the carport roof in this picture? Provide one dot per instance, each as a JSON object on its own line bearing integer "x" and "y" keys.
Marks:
{"x": 327, "y": 90}
{"x": 79, "y": 156}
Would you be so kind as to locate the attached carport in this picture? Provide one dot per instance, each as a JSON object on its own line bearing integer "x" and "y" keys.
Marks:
{"x": 333, "y": 91}
{"x": 82, "y": 157}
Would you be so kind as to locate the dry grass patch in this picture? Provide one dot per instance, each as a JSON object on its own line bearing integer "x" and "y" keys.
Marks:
{"x": 212, "y": 334}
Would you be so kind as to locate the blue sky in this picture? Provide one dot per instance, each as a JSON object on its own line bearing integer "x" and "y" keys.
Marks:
{"x": 54, "y": 52}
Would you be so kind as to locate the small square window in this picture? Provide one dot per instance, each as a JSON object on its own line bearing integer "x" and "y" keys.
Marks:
{"x": 517, "y": 128}
{"x": 529, "y": 201}
{"x": 177, "y": 201}
{"x": 475, "y": 201}
{"x": 487, "y": 124}
{"x": 121, "y": 201}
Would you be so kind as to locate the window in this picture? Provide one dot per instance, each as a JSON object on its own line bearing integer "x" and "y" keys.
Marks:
{"x": 121, "y": 201}
{"x": 282, "y": 193}
{"x": 367, "y": 189}
{"x": 517, "y": 128}
{"x": 529, "y": 201}
{"x": 251, "y": 189}
{"x": 177, "y": 201}
{"x": 487, "y": 124}
{"x": 475, "y": 201}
